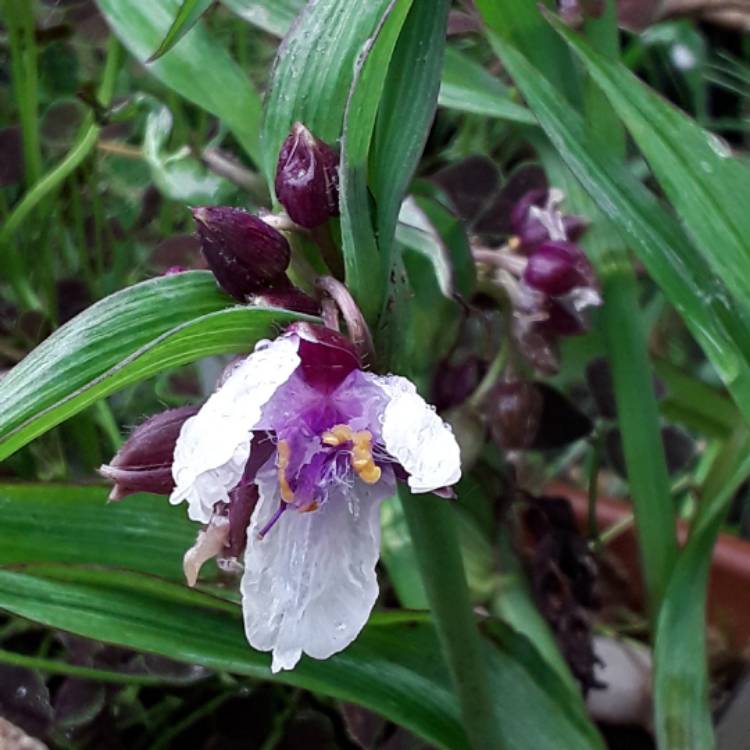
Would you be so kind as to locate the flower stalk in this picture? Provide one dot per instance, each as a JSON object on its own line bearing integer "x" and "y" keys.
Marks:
{"x": 433, "y": 532}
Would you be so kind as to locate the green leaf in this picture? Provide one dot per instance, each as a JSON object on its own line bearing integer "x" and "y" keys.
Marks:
{"x": 406, "y": 110}
{"x": 707, "y": 187}
{"x": 273, "y": 16}
{"x": 467, "y": 87}
{"x": 126, "y": 337}
{"x": 179, "y": 175}
{"x": 313, "y": 72}
{"x": 199, "y": 69}
{"x": 364, "y": 264}
{"x": 520, "y": 22}
{"x": 187, "y": 16}
{"x": 713, "y": 317}
{"x": 682, "y": 713}
{"x": 55, "y": 523}
{"x": 391, "y": 668}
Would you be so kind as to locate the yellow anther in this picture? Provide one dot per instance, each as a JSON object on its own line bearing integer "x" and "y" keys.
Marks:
{"x": 338, "y": 434}
{"x": 282, "y": 462}
{"x": 362, "y": 461}
{"x": 309, "y": 508}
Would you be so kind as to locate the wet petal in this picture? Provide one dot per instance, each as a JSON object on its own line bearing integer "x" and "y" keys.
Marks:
{"x": 417, "y": 437}
{"x": 309, "y": 585}
{"x": 214, "y": 445}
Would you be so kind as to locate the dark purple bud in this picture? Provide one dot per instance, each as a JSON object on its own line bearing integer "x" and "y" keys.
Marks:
{"x": 307, "y": 178}
{"x": 563, "y": 321}
{"x": 555, "y": 268}
{"x": 454, "y": 383}
{"x": 327, "y": 356}
{"x": 528, "y": 229}
{"x": 513, "y": 413}
{"x": 244, "y": 253}
{"x": 288, "y": 299}
{"x": 144, "y": 463}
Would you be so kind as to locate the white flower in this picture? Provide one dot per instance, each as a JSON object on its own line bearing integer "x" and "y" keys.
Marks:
{"x": 324, "y": 442}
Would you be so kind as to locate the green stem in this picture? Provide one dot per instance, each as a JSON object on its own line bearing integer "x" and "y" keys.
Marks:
{"x": 51, "y": 666}
{"x": 82, "y": 147}
{"x": 627, "y": 350}
{"x": 433, "y": 532}
{"x": 19, "y": 15}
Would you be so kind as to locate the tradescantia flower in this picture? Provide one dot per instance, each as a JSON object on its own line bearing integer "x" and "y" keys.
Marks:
{"x": 323, "y": 442}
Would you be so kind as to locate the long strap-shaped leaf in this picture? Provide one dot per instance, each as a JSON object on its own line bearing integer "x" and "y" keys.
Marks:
{"x": 127, "y": 337}
{"x": 393, "y": 667}
{"x": 712, "y": 315}
{"x": 705, "y": 184}
{"x": 199, "y": 68}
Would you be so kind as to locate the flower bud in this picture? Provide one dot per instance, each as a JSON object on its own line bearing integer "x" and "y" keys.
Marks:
{"x": 530, "y": 230}
{"x": 513, "y": 411}
{"x": 307, "y": 180}
{"x": 144, "y": 463}
{"x": 563, "y": 320}
{"x": 556, "y": 268}
{"x": 454, "y": 383}
{"x": 244, "y": 253}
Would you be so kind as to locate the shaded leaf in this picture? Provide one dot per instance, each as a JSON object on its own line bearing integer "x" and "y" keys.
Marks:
{"x": 199, "y": 69}
{"x": 187, "y": 16}
{"x": 126, "y": 337}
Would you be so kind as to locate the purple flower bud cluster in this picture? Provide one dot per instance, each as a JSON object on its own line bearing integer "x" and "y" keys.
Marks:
{"x": 248, "y": 256}
{"x": 548, "y": 278}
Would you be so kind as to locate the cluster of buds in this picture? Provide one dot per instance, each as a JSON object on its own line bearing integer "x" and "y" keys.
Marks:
{"x": 545, "y": 275}
{"x": 248, "y": 254}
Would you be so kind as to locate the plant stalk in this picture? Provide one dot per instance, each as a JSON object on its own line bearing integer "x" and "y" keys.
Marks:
{"x": 433, "y": 532}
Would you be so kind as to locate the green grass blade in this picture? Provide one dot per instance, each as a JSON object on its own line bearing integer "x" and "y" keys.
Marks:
{"x": 199, "y": 69}
{"x": 273, "y": 16}
{"x": 706, "y": 185}
{"x": 187, "y": 16}
{"x": 467, "y": 87}
{"x": 682, "y": 713}
{"x": 56, "y": 523}
{"x": 391, "y": 668}
{"x": 406, "y": 111}
{"x": 712, "y": 316}
{"x": 127, "y": 337}
{"x": 364, "y": 263}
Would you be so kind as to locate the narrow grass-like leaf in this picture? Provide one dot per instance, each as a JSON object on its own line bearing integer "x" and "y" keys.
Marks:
{"x": 521, "y": 23}
{"x": 365, "y": 265}
{"x": 56, "y": 523}
{"x": 313, "y": 72}
{"x": 127, "y": 337}
{"x": 467, "y": 87}
{"x": 713, "y": 317}
{"x": 199, "y": 69}
{"x": 681, "y": 684}
{"x": 407, "y": 108}
{"x": 705, "y": 184}
{"x": 187, "y": 16}
{"x": 391, "y": 668}
{"x": 273, "y": 16}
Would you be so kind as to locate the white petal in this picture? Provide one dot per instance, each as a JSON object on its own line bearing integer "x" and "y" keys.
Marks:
{"x": 214, "y": 445}
{"x": 414, "y": 434}
{"x": 309, "y": 585}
